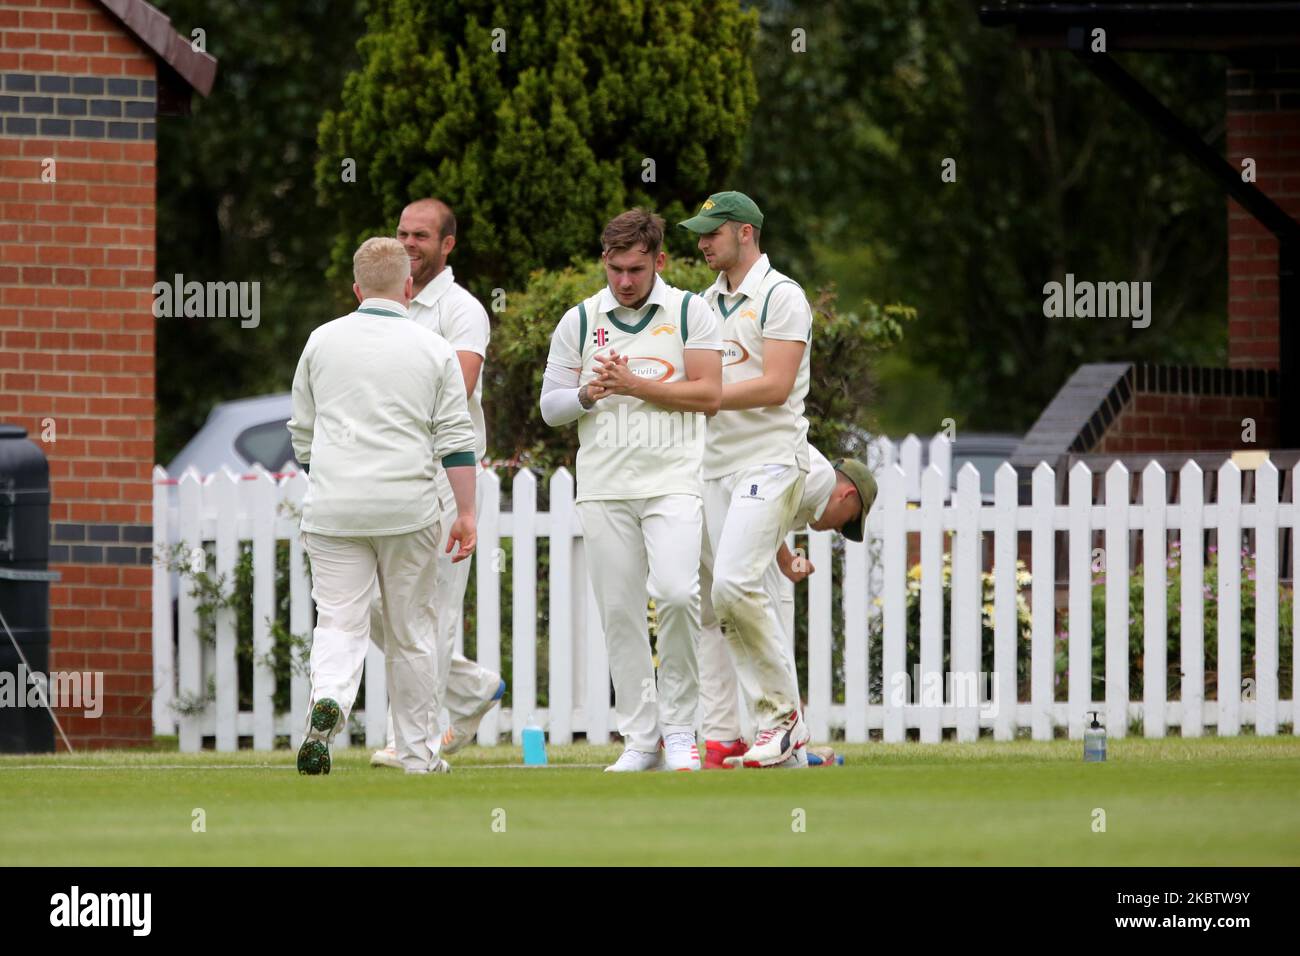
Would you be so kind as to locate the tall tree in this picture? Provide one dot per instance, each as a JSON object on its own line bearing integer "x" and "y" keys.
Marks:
{"x": 237, "y": 202}
{"x": 536, "y": 121}
{"x": 1053, "y": 174}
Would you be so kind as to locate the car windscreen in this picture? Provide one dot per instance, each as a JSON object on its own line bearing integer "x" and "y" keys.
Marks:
{"x": 266, "y": 444}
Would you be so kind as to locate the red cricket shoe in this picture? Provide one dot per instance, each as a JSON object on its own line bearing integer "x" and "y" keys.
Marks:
{"x": 715, "y": 753}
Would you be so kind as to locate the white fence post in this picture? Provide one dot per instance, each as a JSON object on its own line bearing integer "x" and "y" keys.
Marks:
{"x": 820, "y": 658}
{"x": 189, "y": 652}
{"x": 1155, "y": 642}
{"x": 1229, "y": 682}
{"x": 1266, "y": 632}
{"x": 164, "y": 657}
{"x": 1042, "y": 648}
{"x": 934, "y": 490}
{"x": 967, "y": 618}
{"x": 856, "y": 587}
{"x": 1117, "y": 627}
{"x": 1006, "y": 590}
{"x": 893, "y": 670}
{"x": 1191, "y": 536}
{"x": 258, "y": 501}
{"x": 221, "y": 495}
{"x": 1080, "y": 684}
{"x": 1295, "y": 605}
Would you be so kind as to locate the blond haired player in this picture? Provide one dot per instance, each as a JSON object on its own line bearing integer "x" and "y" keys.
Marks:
{"x": 755, "y": 458}
{"x": 378, "y": 402}
{"x": 638, "y": 365}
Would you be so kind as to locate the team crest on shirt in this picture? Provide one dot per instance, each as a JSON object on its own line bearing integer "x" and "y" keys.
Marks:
{"x": 600, "y": 337}
{"x": 646, "y": 366}
{"x": 661, "y": 329}
{"x": 749, "y": 314}
{"x": 733, "y": 353}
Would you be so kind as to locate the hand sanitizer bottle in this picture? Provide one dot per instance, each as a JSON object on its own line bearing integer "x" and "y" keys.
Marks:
{"x": 534, "y": 740}
{"x": 1094, "y": 741}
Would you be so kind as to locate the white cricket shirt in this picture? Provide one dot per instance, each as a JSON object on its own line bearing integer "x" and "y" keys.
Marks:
{"x": 627, "y": 447}
{"x": 378, "y": 405}
{"x": 768, "y": 305}
{"x": 448, "y": 308}
{"x": 817, "y": 487}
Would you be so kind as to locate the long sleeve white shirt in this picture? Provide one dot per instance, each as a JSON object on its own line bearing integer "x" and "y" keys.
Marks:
{"x": 378, "y": 403}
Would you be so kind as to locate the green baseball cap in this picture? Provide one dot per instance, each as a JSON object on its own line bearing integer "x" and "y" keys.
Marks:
{"x": 729, "y": 206}
{"x": 858, "y": 473}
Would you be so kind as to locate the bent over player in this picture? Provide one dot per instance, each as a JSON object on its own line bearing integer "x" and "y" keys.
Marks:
{"x": 836, "y": 497}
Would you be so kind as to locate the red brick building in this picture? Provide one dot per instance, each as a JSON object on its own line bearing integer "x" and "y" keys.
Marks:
{"x": 1118, "y": 409}
{"x": 83, "y": 82}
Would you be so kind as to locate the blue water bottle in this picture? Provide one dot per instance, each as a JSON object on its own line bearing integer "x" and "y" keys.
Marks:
{"x": 534, "y": 739}
{"x": 1094, "y": 741}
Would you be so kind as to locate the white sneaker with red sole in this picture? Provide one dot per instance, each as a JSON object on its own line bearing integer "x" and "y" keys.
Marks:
{"x": 681, "y": 752}
{"x": 775, "y": 745}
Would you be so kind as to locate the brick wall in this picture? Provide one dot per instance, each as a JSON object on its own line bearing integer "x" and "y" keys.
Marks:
{"x": 77, "y": 332}
{"x": 1183, "y": 409}
{"x": 1264, "y": 125}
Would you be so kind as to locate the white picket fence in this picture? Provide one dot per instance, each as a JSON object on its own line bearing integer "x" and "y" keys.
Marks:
{"x": 220, "y": 510}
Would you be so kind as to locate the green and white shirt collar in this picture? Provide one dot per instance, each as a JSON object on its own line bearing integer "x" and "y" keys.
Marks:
{"x": 608, "y": 302}
{"x": 748, "y": 287}
{"x": 375, "y": 305}
{"x": 434, "y": 291}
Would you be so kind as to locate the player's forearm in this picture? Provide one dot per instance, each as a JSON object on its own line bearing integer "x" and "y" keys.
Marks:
{"x": 560, "y": 402}
{"x": 462, "y": 480}
{"x": 783, "y": 557}
{"x": 686, "y": 396}
{"x": 762, "y": 392}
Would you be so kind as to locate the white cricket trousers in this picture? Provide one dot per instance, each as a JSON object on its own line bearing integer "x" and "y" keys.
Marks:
{"x": 462, "y": 684}
{"x": 721, "y": 717}
{"x": 747, "y": 515}
{"x": 343, "y": 572}
{"x": 639, "y": 548}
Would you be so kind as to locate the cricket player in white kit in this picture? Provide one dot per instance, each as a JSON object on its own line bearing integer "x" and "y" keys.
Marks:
{"x": 378, "y": 403}
{"x": 427, "y": 230}
{"x": 755, "y": 458}
{"x": 638, "y": 365}
{"x": 836, "y": 497}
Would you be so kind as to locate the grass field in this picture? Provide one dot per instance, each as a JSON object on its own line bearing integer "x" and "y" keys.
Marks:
{"x": 1169, "y": 802}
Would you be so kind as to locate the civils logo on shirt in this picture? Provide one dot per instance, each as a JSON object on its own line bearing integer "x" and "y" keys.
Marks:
{"x": 102, "y": 909}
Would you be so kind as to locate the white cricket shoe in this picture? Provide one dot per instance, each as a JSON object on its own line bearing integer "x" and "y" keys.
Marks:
{"x": 775, "y": 745}
{"x": 460, "y": 733}
{"x": 440, "y": 767}
{"x": 796, "y": 761}
{"x": 633, "y": 761}
{"x": 386, "y": 758}
{"x": 681, "y": 752}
